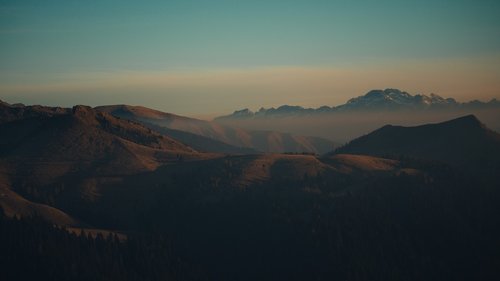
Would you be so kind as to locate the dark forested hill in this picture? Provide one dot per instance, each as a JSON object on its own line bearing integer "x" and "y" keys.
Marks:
{"x": 463, "y": 141}
{"x": 32, "y": 249}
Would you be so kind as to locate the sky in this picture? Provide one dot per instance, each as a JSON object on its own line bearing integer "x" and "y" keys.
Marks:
{"x": 203, "y": 58}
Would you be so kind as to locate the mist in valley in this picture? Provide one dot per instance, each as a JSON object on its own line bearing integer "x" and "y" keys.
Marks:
{"x": 342, "y": 127}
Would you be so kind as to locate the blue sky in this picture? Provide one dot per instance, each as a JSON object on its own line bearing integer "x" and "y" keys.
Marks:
{"x": 67, "y": 52}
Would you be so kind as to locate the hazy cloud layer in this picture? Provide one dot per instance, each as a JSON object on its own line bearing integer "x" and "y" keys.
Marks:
{"x": 201, "y": 92}
{"x": 343, "y": 127}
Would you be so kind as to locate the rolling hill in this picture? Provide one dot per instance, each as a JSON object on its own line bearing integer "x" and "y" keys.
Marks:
{"x": 240, "y": 140}
{"x": 86, "y": 135}
{"x": 464, "y": 141}
{"x": 50, "y": 152}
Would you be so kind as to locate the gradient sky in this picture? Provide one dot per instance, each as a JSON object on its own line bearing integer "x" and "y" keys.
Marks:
{"x": 209, "y": 57}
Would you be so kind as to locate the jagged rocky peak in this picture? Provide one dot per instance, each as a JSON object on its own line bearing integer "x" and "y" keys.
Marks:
{"x": 388, "y": 99}
{"x": 387, "y": 94}
{"x": 243, "y": 113}
{"x": 289, "y": 107}
{"x": 397, "y": 99}
{"x": 437, "y": 99}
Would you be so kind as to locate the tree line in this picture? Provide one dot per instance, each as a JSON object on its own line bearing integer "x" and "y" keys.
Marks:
{"x": 33, "y": 249}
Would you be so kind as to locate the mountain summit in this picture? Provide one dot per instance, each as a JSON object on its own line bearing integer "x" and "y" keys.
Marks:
{"x": 463, "y": 141}
{"x": 394, "y": 98}
{"x": 374, "y": 100}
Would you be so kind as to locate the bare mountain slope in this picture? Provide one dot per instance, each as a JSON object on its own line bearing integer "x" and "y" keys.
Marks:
{"x": 264, "y": 141}
{"x": 83, "y": 134}
{"x": 46, "y": 156}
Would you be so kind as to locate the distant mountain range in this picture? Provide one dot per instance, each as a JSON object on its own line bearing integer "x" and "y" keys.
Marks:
{"x": 375, "y": 100}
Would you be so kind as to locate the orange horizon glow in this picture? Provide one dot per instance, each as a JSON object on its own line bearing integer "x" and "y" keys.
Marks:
{"x": 219, "y": 91}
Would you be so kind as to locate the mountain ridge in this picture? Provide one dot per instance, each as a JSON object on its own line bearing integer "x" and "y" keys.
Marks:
{"x": 228, "y": 138}
{"x": 463, "y": 141}
{"x": 50, "y": 153}
{"x": 388, "y": 99}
